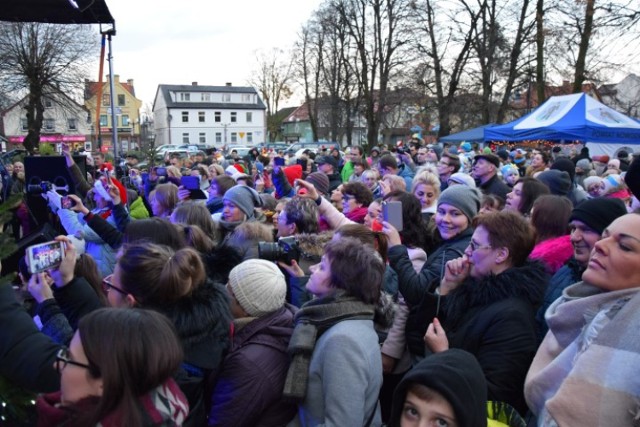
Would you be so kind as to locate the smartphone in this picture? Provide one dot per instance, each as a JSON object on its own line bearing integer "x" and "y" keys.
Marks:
{"x": 392, "y": 213}
{"x": 44, "y": 256}
{"x": 190, "y": 182}
{"x": 67, "y": 202}
{"x": 278, "y": 161}
{"x": 161, "y": 171}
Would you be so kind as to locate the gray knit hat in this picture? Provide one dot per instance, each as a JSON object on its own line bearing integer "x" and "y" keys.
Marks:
{"x": 584, "y": 164}
{"x": 465, "y": 198}
{"x": 245, "y": 198}
{"x": 259, "y": 286}
{"x": 320, "y": 180}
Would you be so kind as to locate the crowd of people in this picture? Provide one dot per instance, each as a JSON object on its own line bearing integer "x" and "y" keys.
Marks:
{"x": 272, "y": 290}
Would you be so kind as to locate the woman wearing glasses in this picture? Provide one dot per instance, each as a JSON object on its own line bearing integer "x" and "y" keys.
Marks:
{"x": 486, "y": 303}
{"x": 117, "y": 371}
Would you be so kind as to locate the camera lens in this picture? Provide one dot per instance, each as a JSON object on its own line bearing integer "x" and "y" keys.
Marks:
{"x": 269, "y": 251}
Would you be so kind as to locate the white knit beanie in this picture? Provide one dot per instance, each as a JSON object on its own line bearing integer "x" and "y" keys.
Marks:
{"x": 259, "y": 286}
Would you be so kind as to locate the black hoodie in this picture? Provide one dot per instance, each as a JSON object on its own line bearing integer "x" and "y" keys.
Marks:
{"x": 458, "y": 377}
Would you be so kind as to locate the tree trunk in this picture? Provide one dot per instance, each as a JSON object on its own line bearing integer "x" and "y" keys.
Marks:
{"x": 584, "y": 47}
{"x": 540, "y": 78}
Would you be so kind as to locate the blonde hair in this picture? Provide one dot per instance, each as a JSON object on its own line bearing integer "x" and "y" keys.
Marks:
{"x": 166, "y": 195}
{"x": 174, "y": 171}
{"x": 395, "y": 183}
{"x": 427, "y": 178}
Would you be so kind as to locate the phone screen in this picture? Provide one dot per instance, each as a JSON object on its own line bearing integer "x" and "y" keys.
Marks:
{"x": 190, "y": 182}
{"x": 392, "y": 213}
{"x": 45, "y": 256}
{"x": 67, "y": 202}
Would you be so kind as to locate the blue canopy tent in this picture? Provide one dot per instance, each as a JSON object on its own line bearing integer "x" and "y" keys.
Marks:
{"x": 575, "y": 117}
{"x": 469, "y": 135}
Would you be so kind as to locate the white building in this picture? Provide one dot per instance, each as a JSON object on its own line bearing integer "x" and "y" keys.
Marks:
{"x": 64, "y": 121}
{"x": 212, "y": 115}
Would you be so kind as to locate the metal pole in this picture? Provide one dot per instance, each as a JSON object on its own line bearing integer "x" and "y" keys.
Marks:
{"x": 114, "y": 124}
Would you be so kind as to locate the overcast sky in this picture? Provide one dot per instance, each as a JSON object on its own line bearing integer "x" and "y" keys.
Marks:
{"x": 211, "y": 42}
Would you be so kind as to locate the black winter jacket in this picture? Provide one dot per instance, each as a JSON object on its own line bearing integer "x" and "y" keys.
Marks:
{"x": 494, "y": 319}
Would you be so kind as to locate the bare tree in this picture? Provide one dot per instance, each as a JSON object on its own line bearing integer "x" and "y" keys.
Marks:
{"x": 273, "y": 78}
{"x": 44, "y": 60}
{"x": 377, "y": 29}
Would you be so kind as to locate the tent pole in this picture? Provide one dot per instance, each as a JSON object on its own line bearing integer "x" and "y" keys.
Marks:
{"x": 114, "y": 124}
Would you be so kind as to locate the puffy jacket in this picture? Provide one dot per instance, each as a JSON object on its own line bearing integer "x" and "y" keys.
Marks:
{"x": 248, "y": 390}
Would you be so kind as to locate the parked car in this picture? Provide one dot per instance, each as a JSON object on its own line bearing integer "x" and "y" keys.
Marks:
{"x": 318, "y": 145}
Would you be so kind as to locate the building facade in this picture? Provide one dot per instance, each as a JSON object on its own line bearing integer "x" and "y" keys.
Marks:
{"x": 127, "y": 110}
{"x": 211, "y": 115}
{"x": 64, "y": 121}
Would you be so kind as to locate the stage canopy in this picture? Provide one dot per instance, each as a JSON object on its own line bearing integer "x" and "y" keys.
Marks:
{"x": 56, "y": 11}
{"x": 469, "y": 135}
{"x": 568, "y": 118}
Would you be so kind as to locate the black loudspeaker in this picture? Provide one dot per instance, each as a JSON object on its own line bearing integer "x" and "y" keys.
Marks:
{"x": 44, "y": 172}
{"x": 41, "y": 235}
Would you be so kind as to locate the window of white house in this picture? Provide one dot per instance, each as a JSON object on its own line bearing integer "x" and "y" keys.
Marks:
{"x": 201, "y": 116}
{"x": 226, "y": 97}
{"x": 185, "y": 138}
{"x": 121, "y": 100}
{"x": 49, "y": 124}
{"x": 249, "y": 117}
{"x": 234, "y": 117}
{"x": 47, "y": 103}
{"x": 246, "y": 97}
{"x": 185, "y": 117}
{"x": 125, "y": 120}
{"x": 23, "y": 124}
{"x": 103, "y": 120}
{"x": 205, "y": 97}
{"x": 72, "y": 124}
{"x": 106, "y": 99}
{"x": 217, "y": 116}
{"x": 202, "y": 138}
{"x": 185, "y": 96}
{"x": 218, "y": 136}
{"x": 234, "y": 137}
{"x": 249, "y": 136}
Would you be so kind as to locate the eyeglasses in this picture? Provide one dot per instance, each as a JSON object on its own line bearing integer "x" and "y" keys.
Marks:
{"x": 441, "y": 163}
{"x": 474, "y": 246}
{"x": 107, "y": 285}
{"x": 63, "y": 360}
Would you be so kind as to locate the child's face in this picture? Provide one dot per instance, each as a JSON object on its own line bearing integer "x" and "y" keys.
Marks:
{"x": 434, "y": 411}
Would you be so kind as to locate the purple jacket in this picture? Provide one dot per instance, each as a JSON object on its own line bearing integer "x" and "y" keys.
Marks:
{"x": 248, "y": 389}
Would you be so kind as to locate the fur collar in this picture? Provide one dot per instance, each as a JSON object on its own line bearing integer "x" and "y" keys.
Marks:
{"x": 527, "y": 282}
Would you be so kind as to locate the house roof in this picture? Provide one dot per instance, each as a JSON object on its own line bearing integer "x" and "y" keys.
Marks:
{"x": 21, "y": 102}
{"x": 91, "y": 88}
{"x": 167, "y": 89}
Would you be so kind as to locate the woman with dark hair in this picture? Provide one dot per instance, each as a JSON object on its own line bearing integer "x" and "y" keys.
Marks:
{"x": 336, "y": 370}
{"x": 174, "y": 283}
{"x": 164, "y": 200}
{"x": 219, "y": 186}
{"x": 356, "y": 197}
{"x": 524, "y": 194}
{"x": 193, "y": 213}
{"x": 486, "y": 301}
{"x": 539, "y": 163}
{"x": 457, "y": 206}
{"x": 550, "y": 220}
{"x": 118, "y": 371}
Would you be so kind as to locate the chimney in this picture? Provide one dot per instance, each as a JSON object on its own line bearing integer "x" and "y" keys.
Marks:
{"x": 130, "y": 82}
{"x": 228, "y": 84}
{"x": 116, "y": 78}
{"x": 194, "y": 83}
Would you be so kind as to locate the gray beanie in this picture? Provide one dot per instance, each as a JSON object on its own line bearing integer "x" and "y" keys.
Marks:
{"x": 559, "y": 182}
{"x": 584, "y": 164}
{"x": 245, "y": 198}
{"x": 259, "y": 286}
{"x": 465, "y": 198}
